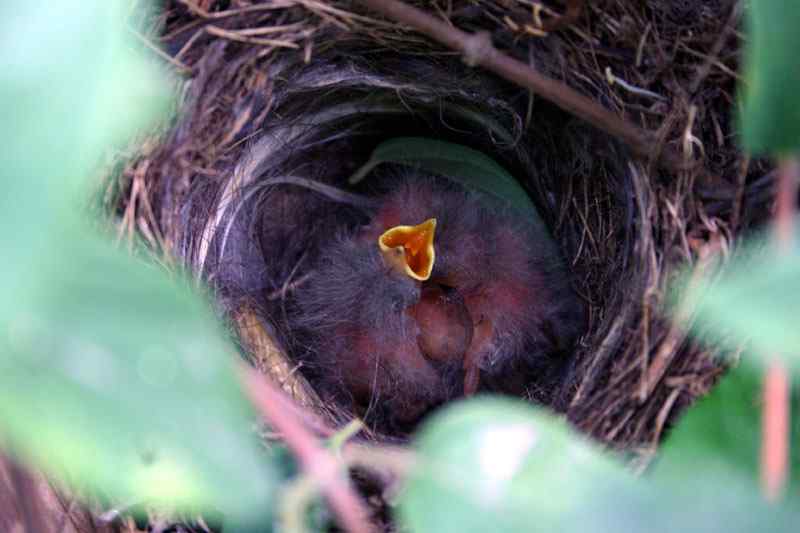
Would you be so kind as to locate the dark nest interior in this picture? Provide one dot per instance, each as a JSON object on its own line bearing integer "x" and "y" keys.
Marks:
{"x": 280, "y": 102}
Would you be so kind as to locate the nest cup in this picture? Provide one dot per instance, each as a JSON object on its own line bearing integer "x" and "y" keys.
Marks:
{"x": 305, "y": 109}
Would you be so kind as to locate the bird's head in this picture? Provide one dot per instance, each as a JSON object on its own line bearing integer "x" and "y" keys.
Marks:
{"x": 443, "y": 322}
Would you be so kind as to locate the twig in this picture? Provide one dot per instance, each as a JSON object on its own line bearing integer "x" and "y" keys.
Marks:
{"x": 614, "y": 80}
{"x": 642, "y": 41}
{"x": 688, "y": 139}
{"x": 606, "y": 349}
{"x": 711, "y": 59}
{"x": 270, "y": 6}
{"x": 244, "y": 38}
{"x": 709, "y": 255}
{"x": 663, "y": 414}
{"x": 478, "y": 50}
{"x": 738, "y": 199}
{"x": 288, "y": 287}
{"x": 334, "y": 193}
{"x": 714, "y": 62}
{"x": 317, "y": 463}
{"x": 162, "y": 54}
{"x": 266, "y": 30}
{"x": 187, "y": 45}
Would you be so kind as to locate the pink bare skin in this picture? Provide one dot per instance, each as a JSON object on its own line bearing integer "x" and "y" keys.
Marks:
{"x": 445, "y": 326}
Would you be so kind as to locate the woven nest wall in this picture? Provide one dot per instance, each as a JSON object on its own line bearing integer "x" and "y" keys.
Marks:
{"x": 302, "y": 89}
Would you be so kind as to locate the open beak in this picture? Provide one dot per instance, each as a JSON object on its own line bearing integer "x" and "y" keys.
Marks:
{"x": 409, "y": 249}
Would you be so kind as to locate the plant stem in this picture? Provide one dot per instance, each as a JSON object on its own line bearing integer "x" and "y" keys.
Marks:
{"x": 477, "y": 50}
{"x": 317, "y": 463}
{"x": 776, "y": 413}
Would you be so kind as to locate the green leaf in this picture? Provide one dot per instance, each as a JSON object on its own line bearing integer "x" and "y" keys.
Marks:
{"x": 491, "y": 464}
{"x": 70, "y": 82}
{"x": 498, "y": 465}
{"x": 465, "y": 166}
{"x": 713, "y": 454}
{"x": 754, "y": 301}
{"x": 113, "y": 373}
{"x": 118, "y": 377}
{"x": 771, "y": 119}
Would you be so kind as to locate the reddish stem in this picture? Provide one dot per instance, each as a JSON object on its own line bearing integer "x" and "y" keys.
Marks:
{"x": 788, "y": 175}
{"x": 775, "y": 415}
{"x": 775, "y": 432}
{"x": 314, "y": 459}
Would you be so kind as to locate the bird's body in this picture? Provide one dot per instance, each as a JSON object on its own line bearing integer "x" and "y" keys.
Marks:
{"x": 495, "y": 313}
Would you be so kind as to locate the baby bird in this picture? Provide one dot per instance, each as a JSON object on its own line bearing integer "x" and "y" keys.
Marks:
{"x": 443, "y": 292}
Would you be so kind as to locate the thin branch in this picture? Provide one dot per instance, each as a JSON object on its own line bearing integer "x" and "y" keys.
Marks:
{"x": 775, "y": 432}
{"x": 203, "y": 13}
{"x": 334, "y": 193}
{"x": 181, "y": 67}
{"x": 775, "y": 411}
{"x": 709, "y": 255}
{"x": 477, "y": 50}
{"x": 245, "y": 38}
{"x": 724, "y": 35}
{"x": 317, "y": 463}
{"x": 788, "y": 177}
{"x": 612, "y": 80}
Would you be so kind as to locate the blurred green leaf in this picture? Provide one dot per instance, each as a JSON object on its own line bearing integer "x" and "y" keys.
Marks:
{"x": 756, "y": 300}
{"x": 468, "y": 167}
{"x": 500, "y": 465}
{"x": 771, "y": 119}
{"x": 713, "y": 455}
{"x": 118, "y": 377}
{"x": 113, "y": 373}
{"x": 70, "y": 83}
{"x": 74, "y": 80}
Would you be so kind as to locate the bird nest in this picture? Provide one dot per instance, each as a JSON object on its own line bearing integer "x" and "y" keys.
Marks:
{"x": 305, "y": 90}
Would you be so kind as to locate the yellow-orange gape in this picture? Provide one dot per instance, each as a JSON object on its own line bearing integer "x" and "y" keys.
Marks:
{"x": 442, "y": 292}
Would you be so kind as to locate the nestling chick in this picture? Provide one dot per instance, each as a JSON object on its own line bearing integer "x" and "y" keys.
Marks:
{"x": 444, "y": 292}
